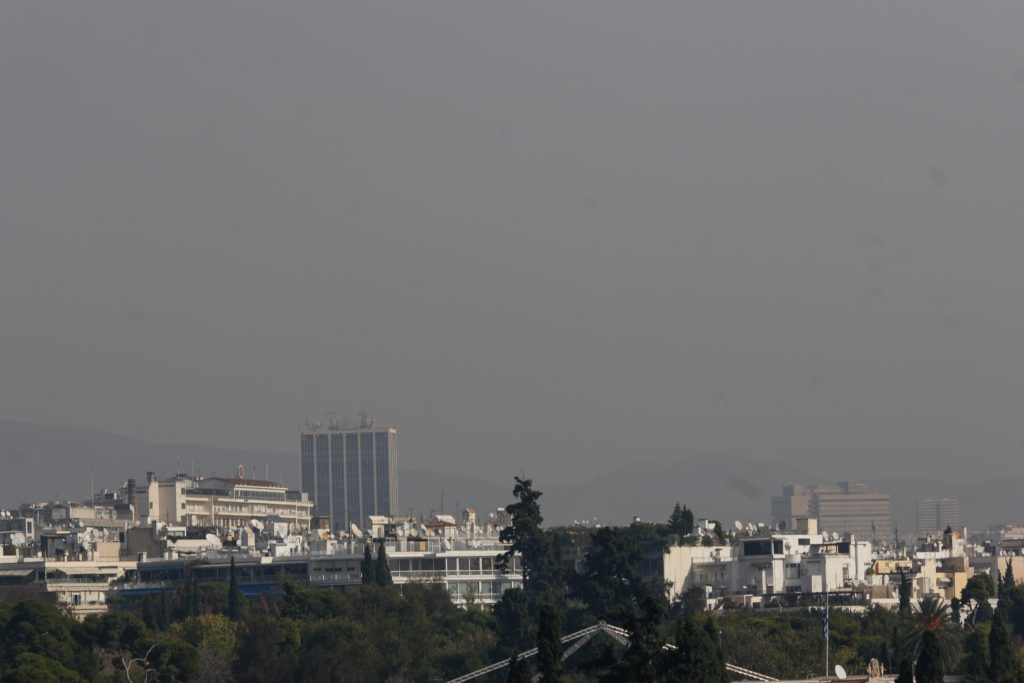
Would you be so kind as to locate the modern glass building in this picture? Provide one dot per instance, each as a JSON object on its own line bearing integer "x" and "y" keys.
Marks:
{"x": 350, "y": 474}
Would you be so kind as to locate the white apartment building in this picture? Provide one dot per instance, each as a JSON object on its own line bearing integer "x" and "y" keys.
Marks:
{"x": 769, "y": 564}
{"x": 223, "y": 503}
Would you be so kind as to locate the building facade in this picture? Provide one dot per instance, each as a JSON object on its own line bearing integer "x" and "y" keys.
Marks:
{"x": 223, "y": 503}
{"x": 845, "y": 508}
{"x": 934, "y": 515}
{"x": 350, "y": 474}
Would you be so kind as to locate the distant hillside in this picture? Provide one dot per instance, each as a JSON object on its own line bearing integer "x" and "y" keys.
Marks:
{"x": 43, "y": 462}
{"x": 52, "y": 462}
{"x": 719, "y": 487}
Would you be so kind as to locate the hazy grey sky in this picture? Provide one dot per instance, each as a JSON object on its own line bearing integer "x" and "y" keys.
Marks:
{"x": 552, "y": 236}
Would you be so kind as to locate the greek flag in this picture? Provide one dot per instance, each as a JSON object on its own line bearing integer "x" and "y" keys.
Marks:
{"x": 824, "y": 625}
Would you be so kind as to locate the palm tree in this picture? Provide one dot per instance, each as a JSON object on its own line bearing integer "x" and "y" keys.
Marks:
{"x": 932, "y": 615}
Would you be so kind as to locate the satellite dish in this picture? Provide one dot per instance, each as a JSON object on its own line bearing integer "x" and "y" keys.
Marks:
{"x": 782, "y": 525}
{"x": 840, "y": 672}
{"x": 214, "y": 541}
{"x": 355, "y": 531}
{"x": 738, "y": 525}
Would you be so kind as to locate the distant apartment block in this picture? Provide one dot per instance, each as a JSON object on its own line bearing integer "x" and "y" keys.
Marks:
{"x": 224, "y": 503}
{"x": 845, "y": 508}
{"x": 935, "y": 514}
{"x": 350, "y": 474}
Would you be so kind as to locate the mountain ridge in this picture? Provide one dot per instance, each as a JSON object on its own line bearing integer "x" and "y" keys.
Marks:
{"x": 715, "y": 486}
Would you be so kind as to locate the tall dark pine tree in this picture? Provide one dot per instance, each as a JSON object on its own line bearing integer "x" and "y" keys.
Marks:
{"x": 929, "y": 662}
{"x": 1008, "y": 580}
{"x": 513, "y": 621}
{"x": 610, "y": 584}
{"x": 369, "y": 568}
{"x": 383, "y": 571}
{"x": 681, "y": 521}
{"x": 542, "y": 572}
{"x": 234, "y": 595}
{"x": 1003, "y": 663}
{"x": 549, "y": 644}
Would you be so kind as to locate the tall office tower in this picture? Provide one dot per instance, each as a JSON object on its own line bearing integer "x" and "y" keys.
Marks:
{"x": 934, "y": 515}
{"x": 847, "y": 508}
{"x": 350, "y": 473}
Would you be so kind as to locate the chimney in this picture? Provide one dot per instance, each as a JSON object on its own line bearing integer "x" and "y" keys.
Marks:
{"x": 133, "y": 498}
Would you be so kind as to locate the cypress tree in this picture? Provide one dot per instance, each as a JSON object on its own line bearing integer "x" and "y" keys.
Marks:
{"x": 905, "y": 593}
{"x": 189, "y": 587}
{"x": 1008, "y": 580}
{"x": 1003, "y": 663}
{"x": 976, "y": 670}
{"x": 193, "y": 605}
{"x": 719, "y": 673}
{"x": 369, "y": 569}
{"x": 148, "y": 613}
{"x": 164, "y": 612}
{"x": 929, "y": 662}
{"x": 549, "y": 644}
{"x": 234, "y": 595}
{"x": 906, "y": 671}
{"x": 383, "y": 570}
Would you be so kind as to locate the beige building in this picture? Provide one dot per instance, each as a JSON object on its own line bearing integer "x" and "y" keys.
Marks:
{"x": 220, "y": 502}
